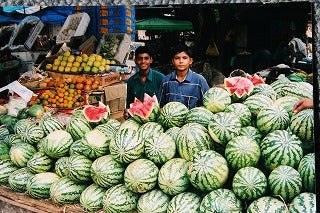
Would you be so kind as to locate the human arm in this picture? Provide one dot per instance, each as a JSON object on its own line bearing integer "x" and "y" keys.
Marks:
{"x": 303, "y": 103}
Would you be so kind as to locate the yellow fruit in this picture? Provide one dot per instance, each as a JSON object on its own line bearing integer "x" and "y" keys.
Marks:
{"x": 76, "y": 64}
{"x": 103, "y": 62}
{"x": 90, "y": 63}
{"x": 98, "y": 58}
{"x": 67, "y": 69}
{"x": 107, "y": 67}
{"x": 67, "y": 53}
{"x": 55, "y": 67}
{"x": 80, "y": 69}
{"x": 63, "y": 63}
{"x": 92, "y": 58}
{"x": 48, "y": 66}
{"x": 79, "y": 59}
{"x": 83, "y": 64}
{"x": 56, "y": 62}
{"x": 65, "y": 58}
{"x": 60, "y": 57}
{"x": 102, "y": 68}
{"x": 69, "y": 64}
{"x": 113, "y": 62}
{"x": 108, "y": 61}
{"x": 71, "y": 58}
{"x": 74, "y": 69}
{"x": 84, "y": 55}
{"x": 96, "y": 64}
{"x": 61, "y": 69}
{"x": 85, "y": 59}
{"x": 87, "y": 69}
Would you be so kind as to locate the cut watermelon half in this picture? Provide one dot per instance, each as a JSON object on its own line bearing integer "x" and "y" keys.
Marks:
{"x": 145, "y": 111}
{"x": 97, "y": 114}
{"x": 238, "y": 86}
{"x": 255, "y": 79}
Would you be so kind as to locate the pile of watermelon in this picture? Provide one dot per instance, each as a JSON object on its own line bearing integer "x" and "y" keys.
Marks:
{"x": 243, "y": 150}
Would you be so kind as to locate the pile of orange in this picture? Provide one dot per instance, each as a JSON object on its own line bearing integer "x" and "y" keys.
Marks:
{"x": 47, "y": 82}
{"x": 86, "y": 84}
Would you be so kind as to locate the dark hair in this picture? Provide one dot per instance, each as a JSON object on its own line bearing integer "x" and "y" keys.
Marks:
{"x": 181, "y": 48}
{"x": 141, "y": 50}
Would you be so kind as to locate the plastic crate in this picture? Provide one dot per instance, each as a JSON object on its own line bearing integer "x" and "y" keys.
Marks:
{"x": 116, "y": 29}
{"x": 115, "y": 21}
{"x": 121, "y": 10}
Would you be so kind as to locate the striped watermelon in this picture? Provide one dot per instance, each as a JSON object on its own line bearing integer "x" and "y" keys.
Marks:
{"x": 94, "y": 144}
{"x": 285, "y": 181}
{"x": 153, "y": 201}
{"x": 77, "y": 127}
{"x": 18, "y": 179}
{"x": 66, "y": 191}
{"x": 307, "y": 171}
{"x": 264, "y": 89}
{"x": 79, "y": 168}
{"x": 293, "y": 89}
{"x": 107, "y": 172}
{"x": 6, "y": 168}
{"x": 145, "y": 111}
{"x": 38, "y": 186}
{"x": 208, "y": 170}
{"x": 221, "y": 200}
{"x": 224, "y": 127}
{"x": 13, "y": 138}
{"x": 249, "y": 183}
{"x": 130, "y": 124}
{"x": 33, "y": 134}
{"x": 40, "y": 146}
{"x": 173, "y": 114}
{"x": 172, "y": 178}
{"x": 276, "y": 85}
{"x": 39, "y": 163}
{"x": 50, "y": 124}
{"x": 57, "y": 143}
{"x": 191, "y": 139}
{"x": 241, "y": 111}
{"x": 61, "y": 166}
{"x": 141, "y": 175}
{"x": 242, "y": 151}
{"x": 304, "y": 202}
{"x": 110, "y": 128}
{"x": 4, "y": 151}
{"x": 20, "y": 153}
{"x": 256, "y": 102}
{"x": 119, "y": 199}
{"x": 91, "y": 198}
{"x": 126, "y": 146}
{"x": 267, "y": 204}
{"x": 159, "y": 148}
{"x": 287, "y": 103}
{"x": 173, "y": 132}
{"x": 281, "y": 148}
{"x": 199, "y": 115}
{"x": 251, "y": 131}
{"x": 271, "y": 118}
{"x": 77, "y": 148}
{"x": 78, "y": 114}
{"x": 4, "y": 132}
{"x": 302, "y": 125}
{"x": 21, "y": 126}
{"x": 186, "y": 202}
{"x": 216, "y": 99}
{"x": 149, "y": 129}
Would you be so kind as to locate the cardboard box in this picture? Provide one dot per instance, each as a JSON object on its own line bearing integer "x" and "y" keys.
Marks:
{"x": 115, "y": 91}
{"x": 118, "y": 104}
{"x": 94, "y": 97}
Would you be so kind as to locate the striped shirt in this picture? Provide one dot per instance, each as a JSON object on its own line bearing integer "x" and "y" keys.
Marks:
{"x": 189, "y": 92}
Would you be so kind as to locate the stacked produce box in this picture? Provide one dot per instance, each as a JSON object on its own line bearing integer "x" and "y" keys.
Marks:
{"x": 243, "y": 150}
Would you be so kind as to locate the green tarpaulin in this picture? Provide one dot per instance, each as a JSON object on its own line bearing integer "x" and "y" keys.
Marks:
{"x": 163, "y": 24}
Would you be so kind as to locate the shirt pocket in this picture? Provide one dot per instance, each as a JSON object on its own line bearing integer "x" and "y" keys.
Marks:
{"x": 192, "y": 102}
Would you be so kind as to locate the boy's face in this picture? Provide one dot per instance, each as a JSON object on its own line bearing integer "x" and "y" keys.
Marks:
{"x": 182, "y": 61}
{"x": 143, "y": 61}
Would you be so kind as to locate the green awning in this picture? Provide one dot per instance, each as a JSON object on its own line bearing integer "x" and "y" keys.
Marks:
{"x": 163, "y": 24}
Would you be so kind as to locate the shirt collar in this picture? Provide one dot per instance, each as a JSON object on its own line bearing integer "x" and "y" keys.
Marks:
{"x": 188, "y": 77}
{"x": 149, "y": 78}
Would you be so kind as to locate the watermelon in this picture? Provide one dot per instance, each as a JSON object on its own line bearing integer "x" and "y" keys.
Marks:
{"x": 119, "y": 199}
{"x": 285, "y": 181}
{"x": 199, "y": 115}
{"x": 208, "y": 170}
{"x": 296, "y": 89}
{"x": 216, "y": 99}
{"x": 153, "y": 201}
{"x": 242, "y": 151}
{"x": 192, "y": 138}
{"x": 4, "y": 132}
{"x": 96, "y": 114}
{"x": 186, "y": 202}
{"x": 256, "y": 102}
{"x": 4, "y": 151}
{"x": 149, "y": 129}
{"x": 224, "y": 127}
{"x": 23, "y": 113}
{"x": 249, "y": 183}
{"x": 50, "y": 124}
{"x": 66, "y": 191}
{"x": 173, "y": 132}
{"x": 239, "y": 88}
{"x": 38, "y": 186}
{"x": 267, "y": 204}
{"x": 61, "y": 166}
{"x": 126, "y": 146}
{"x": 6, "y": 168}
{"x": 251, "y": 131}
{"x": 77, "y": 148}
{"x": 57, "y": 143}
{"x": 281, "y": 148}
{"x": 106, "y": 172}
{"x": 39, "y": 163}
{"x": 130, "y": 124}
{"x": 141, "y": 175}
{"x": 302, "y": 125}
{"x": 255, "y": 79}
{"x": 287, "y": 103}
{"x": 79, "y": 168}
{"x": 159, "y": 148}
{"x": 39, "y": 146}
{"x": 172, "y": 114}
{"x": 271, "y": 118}
{"x": 36, "y": 110}
{"x": 21, "y": 126}
{"x": 307, "y": 171}
{"x": 91, "y": 198}
{"x": 11, "y": 124}
{"x": 221, "y": 200}
{"x": 18, "y": 179}
{"x": 241, "y": 111}
{"x": 172, "y": 178}
{"x": 145, "y": 111}
{"x": 304, "y": 202}
{"x": 109, "y": 128}
{"x": 265, "y": 89}
{"x": 13, "y": 138}
{"x": 78, "y": 113}
{"x": 20, "y": 153}
{"x": 77, "y": 127}
{"x": 33, "y": 134}
{"x": 94, "y": 144}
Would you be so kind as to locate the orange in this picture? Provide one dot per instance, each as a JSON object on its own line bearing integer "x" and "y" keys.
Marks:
{"x": 46, "y": 79}
{"x": 79, "y": 87}
{"x": 89, "y": 82}
{"x": 80, "y": 79}
{"x": 94, "y": 86}
{"x": 87, "y": 87}
{"x": 43, "y": 85}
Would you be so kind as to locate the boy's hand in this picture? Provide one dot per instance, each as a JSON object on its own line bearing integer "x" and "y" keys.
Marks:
{"x": 126, "y": 114}
{"x": 302, "y": 104}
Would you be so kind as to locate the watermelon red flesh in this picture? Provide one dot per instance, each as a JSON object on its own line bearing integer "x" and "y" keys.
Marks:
{"x": 96, "y": 113}
{"x": 238, "y": 85}
{"x": 255, "y": 79}
{"x": 143, "y": 109}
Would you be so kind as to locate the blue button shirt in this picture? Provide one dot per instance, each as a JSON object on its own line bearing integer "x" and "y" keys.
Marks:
{"x": 189, "y": 92}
